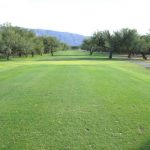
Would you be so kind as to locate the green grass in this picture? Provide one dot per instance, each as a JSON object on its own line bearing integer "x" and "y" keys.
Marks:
{"x": 75, "y": 102}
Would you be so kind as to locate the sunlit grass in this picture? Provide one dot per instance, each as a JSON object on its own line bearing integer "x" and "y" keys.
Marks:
{"x": 63, "y": 103}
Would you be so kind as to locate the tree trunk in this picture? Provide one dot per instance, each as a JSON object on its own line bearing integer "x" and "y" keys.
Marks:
{"x": 52, "y": 53}
{"x": 32, "y": 53}
{"x": 26, "y": 54}
{"x": 91, "y": 51}
{"x": 133, "y": 53}
{"x": 7, "y": 55}
{"x": 129, "y": 55}
{"x": 144, "y": 56}
{"x": 110, "y": 54}
{"x": 19, "y": 54}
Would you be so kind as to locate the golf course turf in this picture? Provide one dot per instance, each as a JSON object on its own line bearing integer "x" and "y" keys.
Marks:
{"x": 74, "y": 101}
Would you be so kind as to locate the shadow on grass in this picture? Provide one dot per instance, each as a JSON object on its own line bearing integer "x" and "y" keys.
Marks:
{"x": 82, "y": 58}
{"x": 68, "y": 58}
{"x": 77, "y": 59}
{"x": 3, "y": 60}
{"x": 91, "y": 58}
{"x": 145, "y": 146}
{"x": 70, "y": 55}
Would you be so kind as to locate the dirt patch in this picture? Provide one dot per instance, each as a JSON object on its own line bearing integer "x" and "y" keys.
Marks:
{"x": 146, "y": 64}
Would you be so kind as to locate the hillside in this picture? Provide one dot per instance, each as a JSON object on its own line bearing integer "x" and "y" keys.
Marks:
{"x": 65, "y": 37}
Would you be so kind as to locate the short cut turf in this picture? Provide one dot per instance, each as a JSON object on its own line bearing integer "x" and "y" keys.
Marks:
{"x": 74, "y": 102}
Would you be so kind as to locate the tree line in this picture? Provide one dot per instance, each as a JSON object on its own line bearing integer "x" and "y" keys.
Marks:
{"x": 17, "y": 41}
{"x": 127, "y": 41}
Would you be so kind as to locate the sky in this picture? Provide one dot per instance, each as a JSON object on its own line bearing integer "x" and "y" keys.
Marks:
{"x": 77, "y": 16}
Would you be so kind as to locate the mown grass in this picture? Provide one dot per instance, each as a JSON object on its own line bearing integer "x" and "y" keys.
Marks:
{"x": 65, "y": 103}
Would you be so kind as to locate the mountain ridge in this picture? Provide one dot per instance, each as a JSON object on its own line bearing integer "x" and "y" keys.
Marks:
{"x": 72, "y": 39}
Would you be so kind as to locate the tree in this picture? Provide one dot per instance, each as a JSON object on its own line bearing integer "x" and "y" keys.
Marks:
{"x": 143, "y": 45}
{"x": 50, "y": 44}
{"x": 27, "y": 41}
{"x": 108, "y": 42}
{"x": 38, "y": 46}
{"x": 129, "y": 40}
{"x": 116, "y": 42}
{"x": 99, "y": 41}
{"x": 16, "y": 40}
{"x": 63, "y": 46}
{"x": 103, "y": 42}
{"x": 8, "y": 38}
{"x": 89, "y": 45}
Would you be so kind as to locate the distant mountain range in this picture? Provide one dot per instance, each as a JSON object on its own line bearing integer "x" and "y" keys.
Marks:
{"x": 69, "y": 38}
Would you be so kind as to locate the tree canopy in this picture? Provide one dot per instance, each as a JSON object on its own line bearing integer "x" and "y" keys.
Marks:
{"x": 122, "y": 41}
{"x": 21, "y": 41}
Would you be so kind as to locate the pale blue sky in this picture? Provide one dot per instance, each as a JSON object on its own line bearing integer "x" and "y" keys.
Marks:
{"x": 77, "y": 16}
